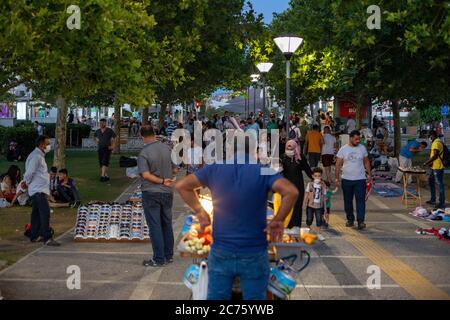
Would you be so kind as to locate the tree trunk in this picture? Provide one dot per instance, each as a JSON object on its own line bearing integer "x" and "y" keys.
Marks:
{"x": 397, "y": 133}
{"x": 59, "y": 157}
{"x": 117, "y": 109}
{"x": 145, "y": 116}
{"x": 358, "y": 106}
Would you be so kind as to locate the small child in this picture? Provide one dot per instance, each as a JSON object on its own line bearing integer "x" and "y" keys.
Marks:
{"x": 315, "y": 200}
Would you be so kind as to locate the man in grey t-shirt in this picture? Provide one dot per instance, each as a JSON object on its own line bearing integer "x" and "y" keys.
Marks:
{"x": 156, "y": 170}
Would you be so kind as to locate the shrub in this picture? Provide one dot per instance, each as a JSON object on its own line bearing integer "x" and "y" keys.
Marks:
{"x": 24, "y": 135}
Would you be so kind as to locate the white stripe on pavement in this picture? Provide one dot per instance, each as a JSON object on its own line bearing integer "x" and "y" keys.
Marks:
{"x": 418, "y": 223}
{"x": 378, "y": 203}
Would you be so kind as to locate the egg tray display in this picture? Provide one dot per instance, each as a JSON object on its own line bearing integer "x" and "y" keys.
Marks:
{"x": 105, "y": 222}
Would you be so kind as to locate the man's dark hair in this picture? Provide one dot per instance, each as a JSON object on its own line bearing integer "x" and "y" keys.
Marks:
{"x": 316, "y": 127}
{"x": 317, "y": 170}
{"x": 355, "y": 133}
{"x": 424, "y": 144}
{"x": 64, "y": 171}
{"x": 432, "y": 134}
{"x": 36, "y": 122}
{"x": 41, "y": 139}
{"x": 147, "y": 131}
{"x": 102, "y": 120}
{"x": 53, "y": 169}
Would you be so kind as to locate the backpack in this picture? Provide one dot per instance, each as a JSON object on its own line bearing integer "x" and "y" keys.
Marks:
{"x": 292, "y": 134}
{"x": 445, "y": 156}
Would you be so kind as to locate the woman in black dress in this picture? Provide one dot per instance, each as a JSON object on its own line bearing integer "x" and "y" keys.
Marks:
{"x": 294, "y": 164}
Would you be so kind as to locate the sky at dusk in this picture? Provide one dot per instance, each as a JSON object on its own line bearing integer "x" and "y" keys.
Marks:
{"x": 267, "y": 7}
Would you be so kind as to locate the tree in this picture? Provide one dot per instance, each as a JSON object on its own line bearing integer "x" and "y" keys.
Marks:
{"x": 404, "y": 60}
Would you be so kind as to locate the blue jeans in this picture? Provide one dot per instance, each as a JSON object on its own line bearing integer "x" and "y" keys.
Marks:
{"x": 40, "y": 217}
{"x": 158, "y": 213}
{"x": 311, "y": 212}
{"x": 354, "y": 189}
{"x": 252, "y": 269}
{"x": 437, "y": 176}
{"x": 68, "y": 194}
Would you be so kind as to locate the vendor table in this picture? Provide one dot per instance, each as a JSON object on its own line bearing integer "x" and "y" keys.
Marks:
{"x": 413, "y": 197}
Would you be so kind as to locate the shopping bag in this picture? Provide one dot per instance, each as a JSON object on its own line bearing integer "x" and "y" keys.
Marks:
{"x": 200, "y": 289}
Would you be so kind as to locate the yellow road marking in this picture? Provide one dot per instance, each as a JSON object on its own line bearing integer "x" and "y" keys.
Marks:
{"x": 406, "y": 277}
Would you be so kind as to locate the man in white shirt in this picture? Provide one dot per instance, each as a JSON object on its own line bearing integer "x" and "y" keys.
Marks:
{"x": 353, "y": 161}
{"x": 351, "y": 124}
{"x": 38, "y": 181}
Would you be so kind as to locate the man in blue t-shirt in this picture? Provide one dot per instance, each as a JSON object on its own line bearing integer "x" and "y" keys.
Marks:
{"x": 239, "y": 194}
{"x": 405, "y": 158}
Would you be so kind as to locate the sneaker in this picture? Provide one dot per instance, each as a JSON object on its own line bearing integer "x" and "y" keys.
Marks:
{"x": 350, "y": 224}
{"x": 102, "y": 179}
{"x": 152, "y": 263}
{"x": 361, "y": 225}
{"x": 320, "y": 237}
{"x": 431, "y": 202}
{"x": 325, "y": 225}
{"x": 52, "y": 243}
{"x": 439, "y": 206}
{"x": 170, "y": 260}
{"x": 38, "y": 239}
{"x": 106, "y": 179}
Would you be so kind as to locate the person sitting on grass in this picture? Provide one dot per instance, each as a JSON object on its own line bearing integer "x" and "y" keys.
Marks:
{"x": 22, "y": 197}
{"x": 10, "y": 181}
{"x": 14, "y": 153}
{"x": 67, "y": 191}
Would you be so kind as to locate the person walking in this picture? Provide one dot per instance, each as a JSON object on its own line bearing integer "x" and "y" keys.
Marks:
{"x": 406, "y": 154}
{"x": 38, "y": 181}
{"x": 437, "y": 170}
{"x": 313, "y": 146}
{"x": 328, "y": 153}
{"x": 105, "y": 138}
{"x": 294, "y": 165}
{"x": 240, "y": 222}
{"x": 353, "y": 162}
{"x": 156, "y": 171}
{"x": 350, "y": 125}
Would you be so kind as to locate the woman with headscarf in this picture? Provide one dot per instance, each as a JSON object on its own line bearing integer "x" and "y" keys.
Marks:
{"x": 294, "y": 164}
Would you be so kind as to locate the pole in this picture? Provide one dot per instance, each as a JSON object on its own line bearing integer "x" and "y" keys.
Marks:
{"x": 288, "y": 93}
{"x": 254, "y": 99}
{"x": 264, "y": 99}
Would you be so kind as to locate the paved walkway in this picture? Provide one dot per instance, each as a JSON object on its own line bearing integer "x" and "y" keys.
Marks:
{"x": 412, "y": 266}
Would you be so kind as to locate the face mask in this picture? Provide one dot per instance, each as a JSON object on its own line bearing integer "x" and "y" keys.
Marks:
{"x": 317, "y": 181}
{"x": 48, "y": 149}
{"x": 290, "y": 153}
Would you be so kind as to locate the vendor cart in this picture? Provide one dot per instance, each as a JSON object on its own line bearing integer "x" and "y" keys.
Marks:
{"x": 302, "y": 255}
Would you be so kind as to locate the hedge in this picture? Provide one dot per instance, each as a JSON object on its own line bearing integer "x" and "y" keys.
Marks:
{"x": 25, "y": 134}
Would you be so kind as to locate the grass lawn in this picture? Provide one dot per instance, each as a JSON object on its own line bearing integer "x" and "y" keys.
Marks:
{"x": 83, "y": 168}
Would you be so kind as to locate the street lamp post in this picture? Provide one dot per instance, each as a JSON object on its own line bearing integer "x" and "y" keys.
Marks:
{"x": 288, "y": 46}
{"x": 264, "y": 67}
{"x": 255, "y": 79}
